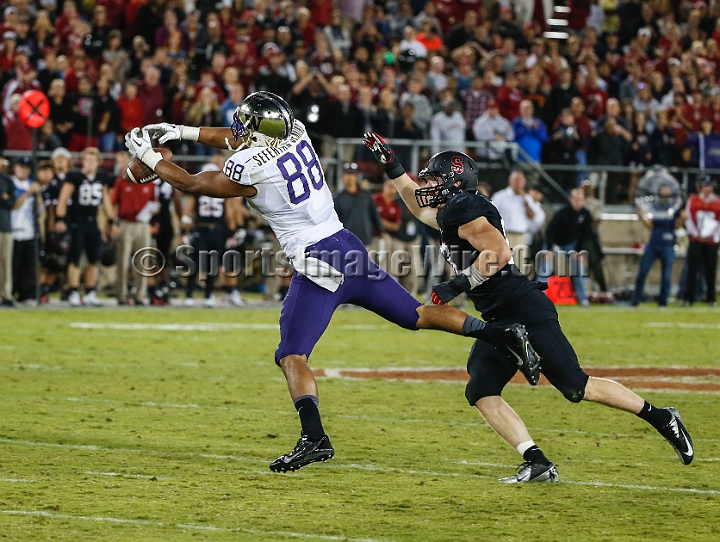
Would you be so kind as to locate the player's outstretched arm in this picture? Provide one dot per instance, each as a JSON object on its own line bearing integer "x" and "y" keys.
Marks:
{"x": 207, "y": 183}
{"x": 218, "y": 138}
{"x": 396, "y": 172}
{"x": 494, "y": 254}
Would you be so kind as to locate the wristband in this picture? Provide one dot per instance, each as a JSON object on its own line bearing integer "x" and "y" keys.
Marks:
{"x": 186, "y": 220}
{"x": 151, "y": 158}
{"x": 394, "y": 169}
{"x": 475, "y": 277}
{"x": 189, "y": 133}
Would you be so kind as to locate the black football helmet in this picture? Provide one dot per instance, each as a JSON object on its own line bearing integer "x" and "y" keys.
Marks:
{"x": 453, "y": 172}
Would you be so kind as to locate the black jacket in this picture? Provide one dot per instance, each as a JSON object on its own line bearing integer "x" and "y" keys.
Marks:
{"x": 7, "y": 200}
{"x": 569, "y": 227}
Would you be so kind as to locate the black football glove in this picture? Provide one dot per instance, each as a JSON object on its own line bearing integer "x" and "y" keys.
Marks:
{"x": 450, "y": 289}
{"x": 384, "y": 155}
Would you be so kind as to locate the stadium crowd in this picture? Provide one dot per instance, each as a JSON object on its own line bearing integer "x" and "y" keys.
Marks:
{"x": 634, "y": 83}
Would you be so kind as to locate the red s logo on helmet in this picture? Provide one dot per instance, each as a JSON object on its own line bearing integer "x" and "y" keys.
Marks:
{"x": 457, "y": 164}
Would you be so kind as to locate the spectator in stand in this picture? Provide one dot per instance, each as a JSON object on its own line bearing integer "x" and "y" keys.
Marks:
{"x": 135, "y": 206}
{"x": 7, "y": 202}
{"x": 404, "y": 127}
{"x": 594, "y": 97}
{"x": 152, "y": 97}
{"x": 475, "y": 100}
{"x": 338, "y": 36}
{"x": 448, "y": 126}
{"x": 662, "y": 141}
{"x": 509, "y": 97}
{"x": 355, "y": 207}
{"x": 629, "y": 86}
{"x": 341, "y": 118}
{"x": 566, "y": 140}
{"x": 609, "y": 148}
{"x": 640, "y": 155}
{"x": 25, "y": 232}
{"x": 131, "y": 108}
{"x": 530, "y": 133}
{"x": 462, "y": 33}
{"x": 25, "y": 79}
{"x": 703, "y": 225}
{"x": 107, "y": 113}
{"x": 274, "y": 77}
{"x": 612, "y": 110}
{"x": 429, "y": 37}
{"x": 645, "y": 102}
{"x": 705, "y": 145}
{"x": 205, "y": 112}
{"x": 233, "y": 101}
{"x": 493, "y": 129}
{"x": 18, "y": 137}
{"x": 420, "y": 102}
{"x": 84, "y": 130}
{"x": 518, "y": 209}
{"x": 560, "y": 96}
{"x": 661, "y": 246}
{"x": 566, "y": 231}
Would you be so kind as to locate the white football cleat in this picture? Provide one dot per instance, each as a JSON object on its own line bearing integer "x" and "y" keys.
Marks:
{"x": 209, "y": 302}
{"x": 236, "y": 300}
{"x": 188, "y": 302}
{"x": 90, "y": 299}
{"x": 74, "y": 299}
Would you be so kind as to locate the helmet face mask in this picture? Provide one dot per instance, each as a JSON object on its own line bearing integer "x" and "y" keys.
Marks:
{"x": 447, "y": 174}
{"x": 263, "y": 119}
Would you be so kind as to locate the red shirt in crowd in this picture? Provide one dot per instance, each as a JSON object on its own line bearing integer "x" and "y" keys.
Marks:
{"x": 389, "y": 211}
{"x": 595, "y": 100}
{"x": 18, "y": 136}
{"x": 703, "y": 220}
{"x": 508, "y": 100}
{"x": 694, "y": 114}
{"x": 131, "y": 113}
{"x": 715, "y": 116}
{"x": 152, "y": 99}
{"x": 131, "y": 198}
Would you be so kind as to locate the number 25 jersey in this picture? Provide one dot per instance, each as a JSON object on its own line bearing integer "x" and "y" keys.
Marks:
{"x": 292, "y": 194}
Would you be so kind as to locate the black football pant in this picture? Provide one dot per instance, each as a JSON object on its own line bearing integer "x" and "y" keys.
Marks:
{"x": 701, "y": 257}
{"x": 25, "y": 256}
{"x": 211, "y": 242}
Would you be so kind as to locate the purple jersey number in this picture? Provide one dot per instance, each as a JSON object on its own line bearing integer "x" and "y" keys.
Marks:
{"x": 297, "y": 172}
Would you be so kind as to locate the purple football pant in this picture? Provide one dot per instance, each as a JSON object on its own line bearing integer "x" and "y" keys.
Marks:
{"x": 308, "y": 308}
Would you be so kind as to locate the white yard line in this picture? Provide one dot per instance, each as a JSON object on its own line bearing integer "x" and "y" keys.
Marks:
{"x": 682, "y": 325}
{"x": 210, "y": 326}
{"x": 182, "y": 526}
{"x": 354, "y": 466}
{"x": 16, "y": 481}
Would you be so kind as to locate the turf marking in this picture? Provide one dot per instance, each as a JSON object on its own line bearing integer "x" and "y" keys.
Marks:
{"x": 16, "y": 481}
{"x": 352, "y": 466}
{"x": 210, "y": 326}
{"x": 669, "y": 378}
{"x": 183, "y": 526}
{"x": 683, "y": 325}
{"x": 121, "y": 475}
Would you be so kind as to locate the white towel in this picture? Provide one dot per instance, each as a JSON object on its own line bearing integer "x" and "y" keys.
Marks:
{"x": 321, "y": 273}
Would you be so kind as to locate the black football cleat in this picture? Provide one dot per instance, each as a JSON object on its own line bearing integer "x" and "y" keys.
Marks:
{"x": 532, "y": 471}
{"x": 527, "y": 359}
{"x": 305, "y": 452}
{"x": 678, "y": 437}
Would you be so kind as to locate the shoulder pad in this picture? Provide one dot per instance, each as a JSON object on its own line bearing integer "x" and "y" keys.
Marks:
{"x": 465, "y": 208}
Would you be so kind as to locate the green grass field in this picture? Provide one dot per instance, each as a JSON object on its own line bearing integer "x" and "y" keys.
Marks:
{"x": 114, "y": 429}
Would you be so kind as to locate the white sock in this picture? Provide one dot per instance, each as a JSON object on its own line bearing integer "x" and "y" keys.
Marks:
{"x": 525, "y": 446}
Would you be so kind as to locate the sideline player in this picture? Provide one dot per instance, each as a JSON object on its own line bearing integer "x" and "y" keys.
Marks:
{"x": 474, "y": 243}
{"x": 82, "y": 193}
{"x": 275, "y": 167}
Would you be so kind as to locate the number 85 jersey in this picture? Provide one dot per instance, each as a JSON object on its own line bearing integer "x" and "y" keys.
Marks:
{"x": 292, "y": 194}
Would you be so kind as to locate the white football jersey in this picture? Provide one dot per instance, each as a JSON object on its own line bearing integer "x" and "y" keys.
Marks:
{"x": 292, "y": 194}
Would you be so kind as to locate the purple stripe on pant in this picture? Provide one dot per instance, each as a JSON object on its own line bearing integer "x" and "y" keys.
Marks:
{"x": 308, "y": 308}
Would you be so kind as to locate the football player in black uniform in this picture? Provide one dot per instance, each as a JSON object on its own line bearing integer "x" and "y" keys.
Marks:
{"x": 81, "y": 195}
{"x": 213, "y": 219}
{"x": 473, "y": 241}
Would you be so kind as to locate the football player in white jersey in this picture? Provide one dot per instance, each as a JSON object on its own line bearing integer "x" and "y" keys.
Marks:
{"x": 276, "y": 168}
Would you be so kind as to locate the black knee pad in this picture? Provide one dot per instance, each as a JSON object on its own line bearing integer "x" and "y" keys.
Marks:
{"x": 576, "y": 391}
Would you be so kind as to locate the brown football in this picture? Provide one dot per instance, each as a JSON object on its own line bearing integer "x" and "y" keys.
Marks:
{"x": 137, "y": 172}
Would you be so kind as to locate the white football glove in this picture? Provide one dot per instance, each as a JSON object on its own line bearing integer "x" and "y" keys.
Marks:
{"x": 165, "y": 132}
{"x": 139, "y": 144}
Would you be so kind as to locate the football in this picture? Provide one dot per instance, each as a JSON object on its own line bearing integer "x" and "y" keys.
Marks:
{"x": 137, "y": 172}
